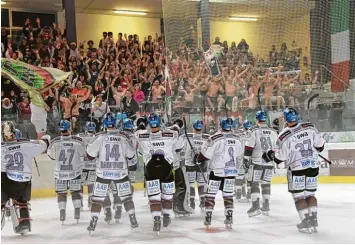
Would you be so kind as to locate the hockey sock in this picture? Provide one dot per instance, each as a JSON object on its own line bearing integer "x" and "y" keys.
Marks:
{"x": 155, "y": 208}
{"x": 107, "y": 202}
{"x": 209, "y": 204}
{"x": 192, "y": 191}
{"x": 238, "y": 183}
{"x": 90, "y": 189}
{"x": 62, "y": 200}
{"x": 129, "y": 205}
{"x": 302, "y": 208}
{"x": 167, "y": 206}
{"x": 312, "y": 205}
{"x": 76, "y": 198}
{"x": 116, "y": 201}
{"x": 255, "y": 191}
{"x": 201, "y": 191}
{"x": 266, "y": 191}
{"x": 228, "y": 204}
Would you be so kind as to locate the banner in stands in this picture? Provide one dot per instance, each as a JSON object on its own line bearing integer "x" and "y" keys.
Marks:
{"x": 338, "y": 137}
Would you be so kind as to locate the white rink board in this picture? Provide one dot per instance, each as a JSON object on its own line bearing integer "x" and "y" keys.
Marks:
{"x": 336, "y": 220}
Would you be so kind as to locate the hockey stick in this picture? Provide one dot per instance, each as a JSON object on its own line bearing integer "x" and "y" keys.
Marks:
{"x": 189, "y": 142}
{"x": 308, "y": 106}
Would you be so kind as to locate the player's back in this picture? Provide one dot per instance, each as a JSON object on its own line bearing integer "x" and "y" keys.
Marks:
{"x": 17, "y": 156}
{"x": 67, "y": 151}
{"x": 262, "y": 139}
{"x": 197, "y": 141}
{"x": 297, "y": 146}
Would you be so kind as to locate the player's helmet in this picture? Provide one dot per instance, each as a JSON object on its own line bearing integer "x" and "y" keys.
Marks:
{"x": 198, "y": 125}
{"x": 90, "y": 127}
{"x": 128, "y": 124}
{"x": 8, "y": 130}
{"x": 18, "y": 134}
{"x": 154, "y": 120}
{"x": 261, "y": 116}
{"x": 247, "y": 124}
{"x": 291, "y": 115}
{"x": 226, "y": 123}
{"x": 109, "y": 120}
{"x": 235, "y": 123}
{"x": 64, "y": 125}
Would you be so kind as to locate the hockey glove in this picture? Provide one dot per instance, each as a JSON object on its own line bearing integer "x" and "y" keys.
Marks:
{"x": 47, "y": 139}
{"x": 269, "y": 156}
{"x": 132, "y": 176}
{"x": 195, "y": 159}
{"x": 179, "y": 122}
{"x": 246, "y": 164}
{"x": 141, "y": 123}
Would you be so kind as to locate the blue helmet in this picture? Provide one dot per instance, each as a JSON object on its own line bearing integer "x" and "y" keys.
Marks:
{"x": 121, "y": 116}
{"x": 90, "y": 127}
{"x": 299, "y": 119}
{"x": 154, "y": 120}
{"x": 247, "y": 124}
{"x": 198, "y": 125}
{"x": 291, "y": 115}
{"x": 64, "y": 125}
{"x": 235, "y": 123}
{"x": 128, "y": 124}
{"x": 18, "y": 134}
{"x": 261, "y": 116}
{"x": 226, "y": 123}
{"x": 109, "y": 120}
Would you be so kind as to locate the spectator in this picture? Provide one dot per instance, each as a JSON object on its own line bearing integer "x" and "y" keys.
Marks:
{"x": 336, "y": 114}
{"x": 24, "y": 109}
{"x": 98, "y": 110}
{"x": 28, "y": 31}
{"x": 7, "y": 110}
{"x": 130, "y": 106}
{"x": 138, "y": 94}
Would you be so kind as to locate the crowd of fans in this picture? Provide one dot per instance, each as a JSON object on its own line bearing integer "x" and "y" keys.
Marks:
{"x": 121, "y": 72}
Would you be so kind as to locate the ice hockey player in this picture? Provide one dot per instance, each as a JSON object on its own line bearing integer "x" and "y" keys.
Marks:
{"x": 225, "y": 152}
{"x": 239, "y": 179}
{"x": 261, "y": 139}
{"x": 193, "y": 172}
{"x": 115, "y": 157}
{"x": 298, "y": 146}
{"x": 67, "y": 150}
{"x": 159, "y": 148}
{"x": 88, "y": 175}
{"x": 16, "y": 175}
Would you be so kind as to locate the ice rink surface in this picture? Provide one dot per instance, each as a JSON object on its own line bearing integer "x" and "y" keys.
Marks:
{"x": 336, "y": 223}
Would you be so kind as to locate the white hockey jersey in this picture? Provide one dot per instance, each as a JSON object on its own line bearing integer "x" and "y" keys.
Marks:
{"x": 225, "y": 152}
{"x": 114, "y": 152}
{"x": 261, "y": 138}
{"x": 296, "y": 146}
{"x": 17, "y": 157}
{"x": 88, "y": 164}
{"x": 197, "y": 141}
{"x": 68, "y": 152}
{"x": 242, "y": 135}
{"x": 164, "y": 143}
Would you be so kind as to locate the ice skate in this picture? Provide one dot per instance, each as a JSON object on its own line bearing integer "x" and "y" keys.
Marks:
{"x": 305, "y": 226}
{"x": 166, "y": 220}
{"x": 133, "y": 220}
{"x": 108, "y": 215}
{"x": 238, "y": 194}
{"x": 62, "y": 215}
{"x": 255, "y": 209}
{"x": 92, "y": 225}
{"x": 192, "y": 203}
{"x": 208, "y": 219}
{"x": 157, "y": 225}
{"x": 229, "y": 219}
{"x": 23, "y": 228}
{"x": 77, "y": 214}
{"x": 265, "y": 209}
{"x": 314, "y": 223}
{"x": 118, "y": 214}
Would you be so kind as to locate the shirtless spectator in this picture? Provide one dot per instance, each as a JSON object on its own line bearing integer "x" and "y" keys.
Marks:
{"x": 118, "y": 94}
{"x": 215, "y": 87}
{"x": 71, "y": 106}
{"x": 158, "y": 92}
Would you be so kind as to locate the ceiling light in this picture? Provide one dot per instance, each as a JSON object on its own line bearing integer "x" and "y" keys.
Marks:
{"x": 2, "y": 2}
{"x": 243, "y": 18}
{"x": 58, "y": 5}
{"x": 129, "y": 12}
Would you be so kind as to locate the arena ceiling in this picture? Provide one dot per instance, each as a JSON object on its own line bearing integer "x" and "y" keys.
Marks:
{"x": 220, "y": 8}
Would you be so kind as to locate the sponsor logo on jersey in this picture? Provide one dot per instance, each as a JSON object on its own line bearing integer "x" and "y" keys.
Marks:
{"x": 153, "y": 184}
{"x": 284, "y": 135}
{"x": 66, "y": 175}
{"x": 111, "y": 174}
{"x": 308, "y": 163}
{"x": 111, "y": 165}
{"x": 198, "y": 142}
{"x": 11, "y": 148}
{"x": 143, "y": 135}
{"x": 158, "y": 144}
{"x": 167, "y": 134}
{"x": 302, "y": 135}
{"x": 231, "y": 142}
{"x": 230, "y": 172}
{"x": 15, "y": 176}
{"x": 266, "y": 132}
{"x": 67, "y": 144}
{"x": 113, "y": 139}
{"x": 68, "y": 167}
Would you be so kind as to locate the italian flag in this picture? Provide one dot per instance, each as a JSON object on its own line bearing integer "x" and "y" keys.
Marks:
{"x": 340, "y": 42}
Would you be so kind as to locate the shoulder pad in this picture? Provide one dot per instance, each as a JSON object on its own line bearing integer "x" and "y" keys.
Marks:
{"x": 99, "y": 133}
{"x": 205, "y": 136}
{"x": 77, "y": 138}
{"x": 55, "y": 139}
{"x": 284, "y": 135}
{"x": 253, "y": 128}
{"x": 307, "y": 125}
